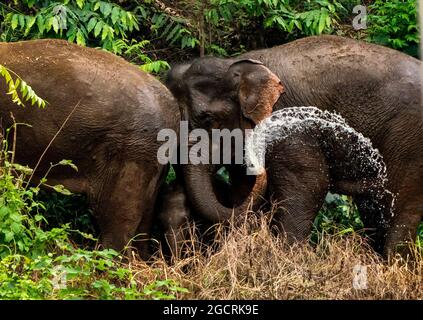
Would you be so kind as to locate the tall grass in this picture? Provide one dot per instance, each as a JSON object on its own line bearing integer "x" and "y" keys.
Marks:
{"x": 252, "y": 263}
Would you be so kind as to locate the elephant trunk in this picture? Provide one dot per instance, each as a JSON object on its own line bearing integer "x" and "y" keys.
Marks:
{"x": 201, "y": 193}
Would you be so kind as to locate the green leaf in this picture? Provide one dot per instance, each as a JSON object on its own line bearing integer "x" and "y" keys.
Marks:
{"x": 173, "y": 32}
{"x": 31, "y": 21}
{"x": 40, "y": 23}
{"x": 322, "y": 21}
{"x": 15, "y": 217}
{"x": 105, "y": 8}
{"x": 91, "y": 24}
{"x": 49, "y": 24}
{"x": 55, "y": 24}
{"x": 22, "y": 21}
{"x": 68, "y": 163}
{"x": 106, "y": 31}
{"x": 24, "y": 169}
{"x": 98, "y": 28}
{"x": 8, "y": 235}
{"x": 80, "y": 39}
{"x": 80, "y": 3}
{"x": 4, "y": 211}
{"x": 115, "y": 14}
{"x": 61, "y": 189}
{"x": 123, "y": 17}
{"x": 15, "y": 21}
{"x": 96, "y": 6}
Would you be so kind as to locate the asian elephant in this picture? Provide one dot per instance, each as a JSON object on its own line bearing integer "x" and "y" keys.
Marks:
{"x": 376, "y": 89}
{"x": 111, "y": 112}
{"x": 308, "y": 152}
{"x": 173, "y": 212}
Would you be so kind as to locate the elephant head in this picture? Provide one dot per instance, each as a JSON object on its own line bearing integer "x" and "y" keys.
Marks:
{"x": 223, "y": 94}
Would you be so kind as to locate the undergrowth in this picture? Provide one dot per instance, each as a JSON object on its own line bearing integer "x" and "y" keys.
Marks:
{"x": 39, "y": 261}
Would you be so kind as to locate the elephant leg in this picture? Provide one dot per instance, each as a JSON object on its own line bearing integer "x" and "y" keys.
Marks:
{"x": 126, "y": 202}
{"x": 407, "y": 213}
{"x": 299, "y": 181}
{"x": 150, "y": 188}
{"x": 403, "y": 228}
{"x": 375, "y": 214}
{"x": 174, "y": 214}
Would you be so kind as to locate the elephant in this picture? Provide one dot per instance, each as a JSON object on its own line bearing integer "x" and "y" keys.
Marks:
{"x": 174, "y": 213}
{"x": 111, "y": 113}
{"x": 309, "y": 151}
{"x": 377, "y": 90}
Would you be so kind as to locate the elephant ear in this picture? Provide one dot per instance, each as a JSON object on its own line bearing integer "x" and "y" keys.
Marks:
{"x": 257, "y": 87}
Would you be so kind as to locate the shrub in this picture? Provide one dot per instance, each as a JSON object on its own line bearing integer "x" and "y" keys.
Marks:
{"x": 86, "y": 22}
{"x": 394, "y": 24}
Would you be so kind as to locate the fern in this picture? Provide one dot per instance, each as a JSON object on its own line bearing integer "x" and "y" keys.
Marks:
{"x": 19, "y": 90}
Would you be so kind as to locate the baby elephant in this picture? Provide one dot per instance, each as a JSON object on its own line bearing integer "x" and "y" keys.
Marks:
{"x": 308, "y": 152}
{"x": 174, "y": 214}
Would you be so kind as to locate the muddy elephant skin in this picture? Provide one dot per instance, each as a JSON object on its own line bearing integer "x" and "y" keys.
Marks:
{"x": 376, "y": 89}
{"x": 114, "y": 113}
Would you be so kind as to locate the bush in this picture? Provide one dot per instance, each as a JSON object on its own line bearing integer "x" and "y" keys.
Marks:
{"x": 339, "y": 214}
{"x": 394, "y": 24}
{"x": 86, "y": 22}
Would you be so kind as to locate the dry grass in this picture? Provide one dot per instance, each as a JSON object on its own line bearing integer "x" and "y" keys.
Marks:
{"x": 252, "y": 263}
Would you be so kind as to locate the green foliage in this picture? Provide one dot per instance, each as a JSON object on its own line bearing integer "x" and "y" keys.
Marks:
{"x": 171, "y": 175}
{"x": 224, "y": 176}
{"x": 86, "y": 22}
{"x": 287, "y": 18}
{"x": 19, "y": 90}
{"x": 80, "y": 21}
{"x": 18, "y": 232}
{"x": 41, "y": 263}
{"x": 71, "y": 210}
{"x": 76, "y": 274}
{"x": 39, "y": 231}
{"x": 420, "y": 236}
{"x": 394, "y": 23}
{"x": 338, "y": 214}
{"x": 164, "y": 289}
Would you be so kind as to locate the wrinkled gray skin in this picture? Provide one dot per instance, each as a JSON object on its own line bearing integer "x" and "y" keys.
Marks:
{"x": 228, "y": 101}
{"x": 376, "y": 89}
{"x": 111, "y": 135}
{"x": 319, "y": 159}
